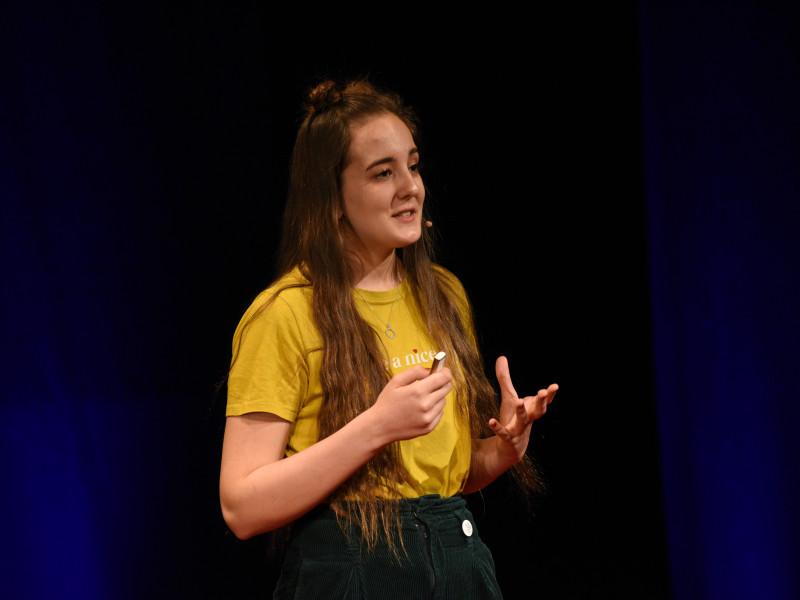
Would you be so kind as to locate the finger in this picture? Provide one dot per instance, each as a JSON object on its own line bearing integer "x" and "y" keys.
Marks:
{"x": 542, "y": 402}
{"x": 499, "y": 430}
{"x": 438, "y": 396}
{"x": 552, "y": 392}
{"x": 522, "y": 414}
{"x": 411, "y": 375}
{"x": 447, "y": 372}
{"x": 537, "y": 405}
{"x": 435, "y": 382}
{"x": 547, "y": 397}
{"x": 504, "y": 376}
{"x": 440, "y": 384}
{"x": 436, "y": 420}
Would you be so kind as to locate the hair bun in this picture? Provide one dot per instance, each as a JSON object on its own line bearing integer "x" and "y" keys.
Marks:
{"x": 322, "y": 96}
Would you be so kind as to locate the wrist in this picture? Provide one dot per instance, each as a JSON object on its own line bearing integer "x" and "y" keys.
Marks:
{"x": 372, "y": 431}
{"x": 505, "y": 454}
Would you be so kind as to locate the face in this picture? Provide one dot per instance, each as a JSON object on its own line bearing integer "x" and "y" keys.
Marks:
{"x": 381, "y": 179}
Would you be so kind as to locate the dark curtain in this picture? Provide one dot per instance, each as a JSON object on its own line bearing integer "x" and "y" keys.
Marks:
{"x": 721, "y": 90}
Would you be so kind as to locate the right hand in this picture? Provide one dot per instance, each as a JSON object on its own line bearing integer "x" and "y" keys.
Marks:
{"x": 412, "y": 403}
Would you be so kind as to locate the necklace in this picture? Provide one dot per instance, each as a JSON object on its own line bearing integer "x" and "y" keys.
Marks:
{"x": 390, "y": 333}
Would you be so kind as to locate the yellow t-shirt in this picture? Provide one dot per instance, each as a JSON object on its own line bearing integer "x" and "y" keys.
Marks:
{"x": 278, "y": 366}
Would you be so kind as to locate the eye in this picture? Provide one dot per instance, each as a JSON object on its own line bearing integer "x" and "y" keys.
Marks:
{"x": 414, "y": 168}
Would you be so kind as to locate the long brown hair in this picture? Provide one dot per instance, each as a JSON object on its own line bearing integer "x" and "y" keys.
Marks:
{"x": 353, "y": 371}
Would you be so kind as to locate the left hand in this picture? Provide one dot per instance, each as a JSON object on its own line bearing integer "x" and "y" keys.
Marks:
{"x": 517, "y": 414}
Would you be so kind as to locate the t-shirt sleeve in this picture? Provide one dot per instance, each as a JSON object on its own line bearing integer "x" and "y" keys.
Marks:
{"x": 269, "y": 372}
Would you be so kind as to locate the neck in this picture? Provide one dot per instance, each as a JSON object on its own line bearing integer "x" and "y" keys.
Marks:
{"x": 378, "y": 273}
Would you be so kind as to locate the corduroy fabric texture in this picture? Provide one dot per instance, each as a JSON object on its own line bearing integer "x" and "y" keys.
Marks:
{"x": 447, "y": 560}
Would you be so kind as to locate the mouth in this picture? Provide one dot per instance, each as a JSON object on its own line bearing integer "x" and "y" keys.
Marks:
{"x": 406, "y": 214}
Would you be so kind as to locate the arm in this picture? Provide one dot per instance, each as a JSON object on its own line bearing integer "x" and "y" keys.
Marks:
{"x": 256, "y": 497}
{"x": 488, "y": 462}
{"x": 492, "y": 456}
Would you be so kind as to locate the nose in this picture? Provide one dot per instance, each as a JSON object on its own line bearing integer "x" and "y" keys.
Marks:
{"x": 411, "y": 183}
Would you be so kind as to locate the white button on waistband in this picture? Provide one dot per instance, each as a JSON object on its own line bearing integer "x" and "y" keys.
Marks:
{"x": 467, "y": 527}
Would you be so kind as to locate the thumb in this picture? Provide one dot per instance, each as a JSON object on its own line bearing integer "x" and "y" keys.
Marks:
{"x": 504, "y": 377}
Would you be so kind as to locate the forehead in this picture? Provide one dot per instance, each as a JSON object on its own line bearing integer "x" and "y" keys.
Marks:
{"x": 379, "y": 136}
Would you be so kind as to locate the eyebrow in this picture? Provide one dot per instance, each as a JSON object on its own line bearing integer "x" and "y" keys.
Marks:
{"x": 390, "y": 159}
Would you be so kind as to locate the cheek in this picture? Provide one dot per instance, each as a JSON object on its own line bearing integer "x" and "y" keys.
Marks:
{"x": 367, "y": 212}
{"x": 353, "y": 206}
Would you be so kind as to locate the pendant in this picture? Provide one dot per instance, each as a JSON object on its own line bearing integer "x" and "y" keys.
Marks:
{"x": 390, "y": 333}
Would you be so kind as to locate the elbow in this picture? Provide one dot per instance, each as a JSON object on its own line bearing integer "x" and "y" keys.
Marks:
{"x": 241, "y": 527}
{"x": 229, "y": 516}
{"x": 243, "y": 530}
{"x": 232, "y": 516}
{"x": 233, "y": 524}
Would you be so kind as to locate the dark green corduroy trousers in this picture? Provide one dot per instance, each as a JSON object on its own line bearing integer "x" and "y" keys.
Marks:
{"x": 447, "y": 560}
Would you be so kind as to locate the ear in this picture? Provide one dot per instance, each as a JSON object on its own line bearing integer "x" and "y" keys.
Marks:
{"x": 338, "y": 210}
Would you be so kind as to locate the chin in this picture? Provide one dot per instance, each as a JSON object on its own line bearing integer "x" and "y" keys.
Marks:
{"x": 408, "y": 242}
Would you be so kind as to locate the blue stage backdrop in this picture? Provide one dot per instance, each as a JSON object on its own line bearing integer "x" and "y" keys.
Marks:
{"x": 721, "y": 91}
{"x": 86, "y": 412}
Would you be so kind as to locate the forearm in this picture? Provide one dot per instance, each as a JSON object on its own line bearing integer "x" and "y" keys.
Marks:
{"x": 282, "y": 491}
{"x": 486, "y": 464}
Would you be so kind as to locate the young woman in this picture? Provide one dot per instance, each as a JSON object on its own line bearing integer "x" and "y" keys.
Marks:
{"x": 337, "y": 431}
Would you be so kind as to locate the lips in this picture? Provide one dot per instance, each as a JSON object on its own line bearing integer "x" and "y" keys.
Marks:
{"x": 398, "y": 213}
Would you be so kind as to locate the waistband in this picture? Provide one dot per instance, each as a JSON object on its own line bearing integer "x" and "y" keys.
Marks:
{"x": 429, "y": 503}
